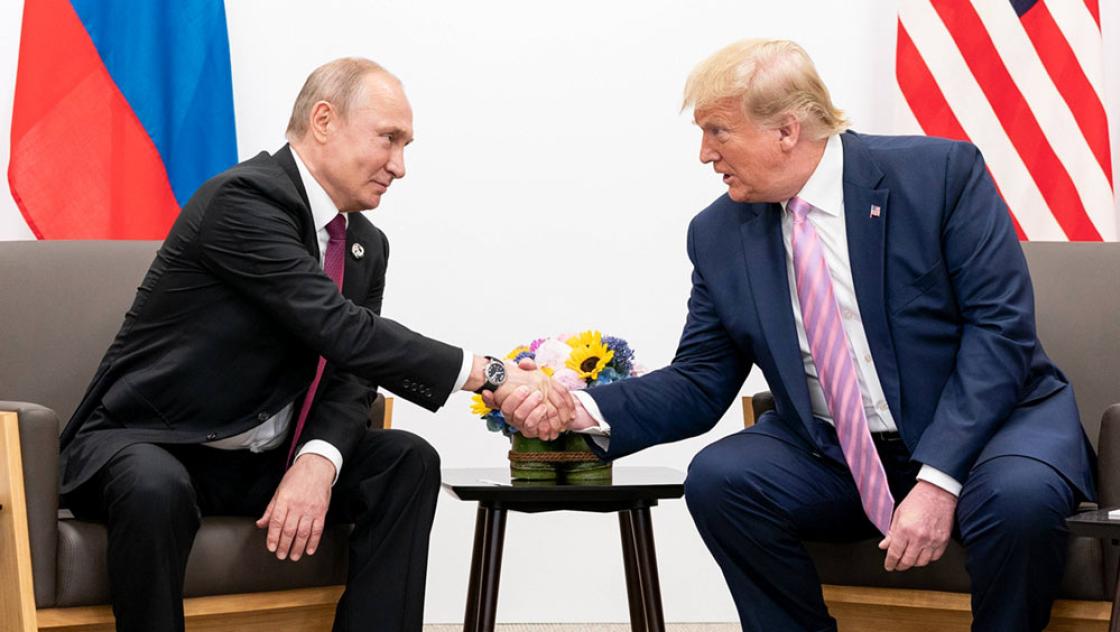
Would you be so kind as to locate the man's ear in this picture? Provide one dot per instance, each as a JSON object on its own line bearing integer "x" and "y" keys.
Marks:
{"x": 324, "y": 119}
{"x": 789, "y": 132}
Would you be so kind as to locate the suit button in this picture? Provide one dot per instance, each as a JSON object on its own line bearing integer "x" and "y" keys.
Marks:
{"x": 406, "y": 383}
{"x": 262, "y": 417}
{"x": 211, "y": 436}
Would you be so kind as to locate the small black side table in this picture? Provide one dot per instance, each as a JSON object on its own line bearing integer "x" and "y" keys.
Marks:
{"x": 1096, "y": 524}
{"x": 631, "y": 492}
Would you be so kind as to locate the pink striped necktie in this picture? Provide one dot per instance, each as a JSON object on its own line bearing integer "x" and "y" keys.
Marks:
{"x": 829, "y": 346}
{"x": 333, "y": 265}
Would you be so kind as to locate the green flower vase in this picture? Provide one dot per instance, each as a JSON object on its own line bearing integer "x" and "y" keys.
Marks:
{"x": 567, "y": 458}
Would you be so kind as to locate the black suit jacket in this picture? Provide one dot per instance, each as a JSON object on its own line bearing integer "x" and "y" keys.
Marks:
{"x": 228, "y": 324}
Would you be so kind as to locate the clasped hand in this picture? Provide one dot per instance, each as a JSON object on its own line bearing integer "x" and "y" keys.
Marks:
{"x": 921, "y": 527}
{"x": 538, "y": 406}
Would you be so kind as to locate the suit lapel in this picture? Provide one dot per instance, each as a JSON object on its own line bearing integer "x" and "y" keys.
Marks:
{"x": 766, "y": 266}
{"x": 355, "y": 278}
{"x": 867, "y": 231}
{"x": 288, "y": 163}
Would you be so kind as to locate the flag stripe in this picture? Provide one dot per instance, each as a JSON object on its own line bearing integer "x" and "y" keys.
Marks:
{"x": 935, "y": 48}
{"x": 1094, "y": 8}
{"x": 1050, "y": 110}
{"x": 170, "y": 60}
{"x": 928, "y": 102}
{"x": 1064, "y": 70}
{"x": 70, "y": 121}
{"x": 982, "y": 58}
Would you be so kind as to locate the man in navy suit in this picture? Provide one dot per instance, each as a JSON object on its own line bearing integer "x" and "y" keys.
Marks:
{"x": 975, "y": 429}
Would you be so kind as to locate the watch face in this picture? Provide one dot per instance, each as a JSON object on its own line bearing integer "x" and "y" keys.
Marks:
{"x": 496, "y": 373}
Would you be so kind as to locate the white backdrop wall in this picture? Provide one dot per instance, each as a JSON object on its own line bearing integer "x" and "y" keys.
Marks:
{"x": 549, "y": 190}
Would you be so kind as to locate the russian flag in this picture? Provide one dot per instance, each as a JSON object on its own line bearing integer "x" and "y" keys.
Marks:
{"x": 121, "y": 110}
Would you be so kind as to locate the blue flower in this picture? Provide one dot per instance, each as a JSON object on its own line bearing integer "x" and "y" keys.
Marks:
{"x": 495, "y": 422}
{"x": 606, "y": 376}
{"x": 524, "y": 354}
{"x": 623, "y": 361}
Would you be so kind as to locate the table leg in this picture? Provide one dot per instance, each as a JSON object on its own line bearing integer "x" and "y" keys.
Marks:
{"x": 486, "y": 569}
{"x": 470, "y": 619}
{"x": 647, "y": 569}
{"x": 633, "y": 581}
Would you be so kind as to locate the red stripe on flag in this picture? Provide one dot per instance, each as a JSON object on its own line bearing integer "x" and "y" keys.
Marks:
{"x": 82, "y": 166}
{"x": 982, "y": 58}
{"x": 1068, "y": 76}
{"x": 928, "y": 103}
{"x": 1094, "y": 9}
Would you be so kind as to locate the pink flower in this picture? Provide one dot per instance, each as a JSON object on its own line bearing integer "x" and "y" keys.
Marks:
{"x": 553, "y": 353}
{"x": 570, "y": 379}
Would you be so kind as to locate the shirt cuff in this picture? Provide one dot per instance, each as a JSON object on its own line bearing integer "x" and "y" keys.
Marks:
{"x": 588, "y": 404}
{"x": 936, "y": 477}
{"x": 465, "y": 371}
{"x": 325, "y": 450}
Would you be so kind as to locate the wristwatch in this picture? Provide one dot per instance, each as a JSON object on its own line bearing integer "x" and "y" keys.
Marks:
{"x": 494, "y": 374}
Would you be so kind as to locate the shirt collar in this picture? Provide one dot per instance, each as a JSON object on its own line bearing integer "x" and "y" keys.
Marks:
{"x": 825, "y": 187}
{"x": 323, "y": 209}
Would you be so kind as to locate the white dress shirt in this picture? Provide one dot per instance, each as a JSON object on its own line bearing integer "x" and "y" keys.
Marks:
{"x": 825, "y": 192}
{"x": 270, "y": 434}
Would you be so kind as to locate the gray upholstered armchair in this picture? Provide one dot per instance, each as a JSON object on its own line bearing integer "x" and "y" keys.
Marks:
{"x": 1077, "y": 299}
{"x": 60, "y": 305}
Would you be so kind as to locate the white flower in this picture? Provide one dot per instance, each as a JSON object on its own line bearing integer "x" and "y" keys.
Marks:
{"x": 553, "y": 354}
{"x": 570, "y": 379}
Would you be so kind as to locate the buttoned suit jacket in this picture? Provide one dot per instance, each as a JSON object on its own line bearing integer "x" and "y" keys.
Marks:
{"x": 945, "y": 298}
{"x": 228, "y": 324}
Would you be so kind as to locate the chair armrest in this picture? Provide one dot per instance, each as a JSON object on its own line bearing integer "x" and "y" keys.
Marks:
{"x": 381, "y": 412}
{"x": 38, "y": 438}
{"x": 1108, "y": 458}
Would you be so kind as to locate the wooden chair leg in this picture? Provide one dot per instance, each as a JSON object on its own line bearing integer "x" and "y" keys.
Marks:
{"x": 17, "y": 591}
{"x": 486, "y": 569}
{"x": 1114, "y": 620}
{"x": 633, "y": 581}
{"x": 647, "y": 570}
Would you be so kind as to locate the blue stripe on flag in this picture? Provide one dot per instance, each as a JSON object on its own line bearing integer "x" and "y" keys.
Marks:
{"x": 171, "y": 62}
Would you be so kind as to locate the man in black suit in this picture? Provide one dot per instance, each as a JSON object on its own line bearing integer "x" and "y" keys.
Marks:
{"x": 241, "y": 379}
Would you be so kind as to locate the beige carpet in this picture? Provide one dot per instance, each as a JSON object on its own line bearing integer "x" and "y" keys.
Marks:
{"x": 592, "y": 627}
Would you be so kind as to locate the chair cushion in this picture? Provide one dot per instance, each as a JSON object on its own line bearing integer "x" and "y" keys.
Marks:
{"x": 228, "y": 557}
{"x": 861, "y": 564}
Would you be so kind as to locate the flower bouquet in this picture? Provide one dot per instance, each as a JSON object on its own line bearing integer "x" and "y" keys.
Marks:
{"x": 578, "y": 361}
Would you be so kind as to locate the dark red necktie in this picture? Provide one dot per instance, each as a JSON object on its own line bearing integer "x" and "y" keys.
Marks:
{"x": 333, "y": 265}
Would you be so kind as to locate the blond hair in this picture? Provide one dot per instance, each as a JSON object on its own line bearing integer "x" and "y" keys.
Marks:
{"x": 770, "y": 78}
{"x": 337, "y": 82}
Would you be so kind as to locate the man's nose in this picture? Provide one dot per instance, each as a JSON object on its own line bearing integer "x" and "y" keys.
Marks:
{"x": 396, "y": 164}
{"x": 707, "y": 154}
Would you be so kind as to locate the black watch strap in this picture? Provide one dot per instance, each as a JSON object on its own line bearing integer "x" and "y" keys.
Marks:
{"x": 493, "y": 374}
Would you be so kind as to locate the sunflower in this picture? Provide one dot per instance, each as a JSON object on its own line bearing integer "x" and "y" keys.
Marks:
{"x": 512, "y": 355}
{"x": 589, "y": 354}
{"x": 479, "y": 407}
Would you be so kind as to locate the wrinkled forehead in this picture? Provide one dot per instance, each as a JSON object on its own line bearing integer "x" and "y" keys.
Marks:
{"x": 728, "y": 110}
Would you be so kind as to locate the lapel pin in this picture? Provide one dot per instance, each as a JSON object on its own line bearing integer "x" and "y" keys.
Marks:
{"x": 358, "y": 251}
{"x": 875, "y": 211}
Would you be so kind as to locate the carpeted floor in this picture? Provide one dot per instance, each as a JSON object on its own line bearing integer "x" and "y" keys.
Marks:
{"x": 592, "y": 627}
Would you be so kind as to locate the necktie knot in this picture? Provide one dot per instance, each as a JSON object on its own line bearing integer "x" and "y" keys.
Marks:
{"x": 799, "y": 208}
{"x": 336, "y": 228}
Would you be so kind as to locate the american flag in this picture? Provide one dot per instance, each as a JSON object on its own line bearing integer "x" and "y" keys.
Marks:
{"x": 1022, "y": 80}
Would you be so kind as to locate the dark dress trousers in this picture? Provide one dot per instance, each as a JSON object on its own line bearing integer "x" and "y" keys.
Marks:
{"x": 948, "y": 308}
{"x": 225, "y": 331}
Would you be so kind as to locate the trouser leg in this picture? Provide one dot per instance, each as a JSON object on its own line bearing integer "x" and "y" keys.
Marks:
{"x": 388, "y": 489}
{"x": 1011, "y": 517}
{"x": 754, "y": 499}
{"x": 146, "y": 499}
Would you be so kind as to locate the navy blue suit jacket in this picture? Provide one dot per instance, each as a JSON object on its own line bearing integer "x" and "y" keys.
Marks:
{"x": 946, "y": 301}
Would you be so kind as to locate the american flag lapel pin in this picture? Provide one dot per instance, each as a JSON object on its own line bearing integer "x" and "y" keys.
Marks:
{"x": 875, "y": 211}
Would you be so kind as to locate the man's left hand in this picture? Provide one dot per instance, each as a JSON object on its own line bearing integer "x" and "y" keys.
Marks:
{"x": 298, "y": 510}
{"x": 921, "y": 527}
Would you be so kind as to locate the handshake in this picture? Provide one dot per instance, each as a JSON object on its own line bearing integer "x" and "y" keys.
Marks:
{"x": 532, "y": 402}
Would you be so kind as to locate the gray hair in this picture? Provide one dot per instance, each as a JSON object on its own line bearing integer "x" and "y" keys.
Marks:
{"x": 337, "y": 82}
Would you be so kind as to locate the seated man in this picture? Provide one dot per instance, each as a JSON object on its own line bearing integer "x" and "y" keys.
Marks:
{"x": 241, "y": 379}
{"x": 879, "y": 285}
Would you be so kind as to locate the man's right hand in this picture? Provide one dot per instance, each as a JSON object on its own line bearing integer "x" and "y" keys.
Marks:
{"x": 534, "y": 404}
